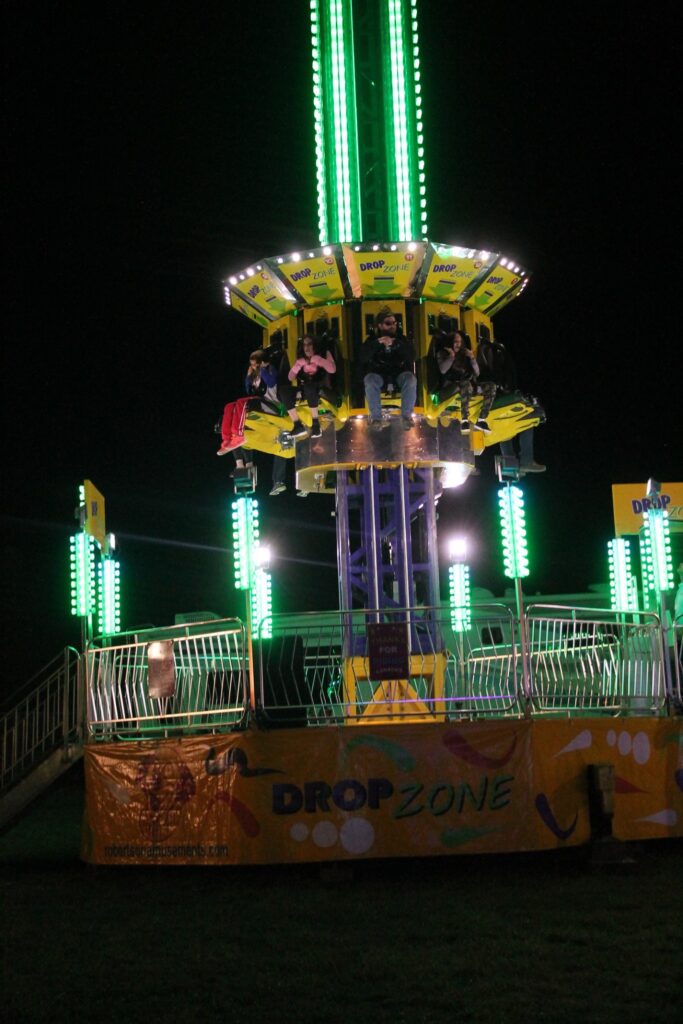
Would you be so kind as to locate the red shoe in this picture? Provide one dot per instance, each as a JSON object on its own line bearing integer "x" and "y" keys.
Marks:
{"x": 228, "y": 446}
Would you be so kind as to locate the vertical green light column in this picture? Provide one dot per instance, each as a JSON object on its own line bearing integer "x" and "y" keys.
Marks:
{"x": 459, "y": 593}
{"x": 109, "y": 596}
{"x": 655, "y": 557}
{"x": 404, "y": 129}
{"x": 336, "y": 134}
{"x": 623, "y": 591}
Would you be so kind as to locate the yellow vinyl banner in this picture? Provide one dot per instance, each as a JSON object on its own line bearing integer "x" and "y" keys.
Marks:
{"x": 452, "y": 271}
{"x": 94, "y": 522}
{"x": 392, "y": 791}
{"x": 316, "y": 279}
{"x": 240, "y": 304}
{"x": 376, "y": 274}
{"x": 494, "y": 288}
{"x": 630, "y": 501}
{"x": 265, "y": 291}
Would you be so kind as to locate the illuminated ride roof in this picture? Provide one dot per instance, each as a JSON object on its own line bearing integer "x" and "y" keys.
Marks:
{"x": 474, "y": 278}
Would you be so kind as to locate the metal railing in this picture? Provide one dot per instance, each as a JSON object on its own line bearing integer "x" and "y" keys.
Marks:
{"x": 677, "y": 668}
{"x": 46, "y": 715}
{"x": 316, "y": 670}
{"x": 322, "y": 669}
{"x": 584, "y": 661}
{"x": 180, "y": 679}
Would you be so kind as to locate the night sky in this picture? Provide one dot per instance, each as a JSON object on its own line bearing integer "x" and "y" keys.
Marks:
{"x": 150, "y": 151}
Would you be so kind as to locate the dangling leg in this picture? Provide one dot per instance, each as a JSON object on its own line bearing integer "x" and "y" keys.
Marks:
{"x": 465, "y": 395}
{"x": 407, "y": 383}
{"x": 373, "y": 396}
{"x": 287, "y": 394}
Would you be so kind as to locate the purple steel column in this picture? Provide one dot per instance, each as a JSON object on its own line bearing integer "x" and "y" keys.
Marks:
{"x": 373, "y": 554}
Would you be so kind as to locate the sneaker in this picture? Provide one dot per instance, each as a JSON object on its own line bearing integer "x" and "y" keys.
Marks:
{"x": 315, "y": 429}
{"x": 278, "y": 489}
{"x": 483, "y": 426}
{"x": 532, "y": 467}
{"x": 298, "y": 429}
{"x": 465, "y": 427}
{"x": 376, "y": 424}
{"x": 407, "y": 422}
{"x": 302, "y": 494}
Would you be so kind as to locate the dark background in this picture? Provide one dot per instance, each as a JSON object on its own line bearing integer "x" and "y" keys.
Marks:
{"x": 151, "y": 151}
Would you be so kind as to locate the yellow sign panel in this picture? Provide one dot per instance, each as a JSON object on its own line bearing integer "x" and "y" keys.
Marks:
{"x": 316, "y": 279}
{"x": 265, "y": 291}
{"x": 376, "y": 274}
{"x": 94, "y": 523}
{"x": 356, "y": 793}
{"x": 630, "y": 501}
{"x": 238, "y": 303}
{"x": 494, "y": 288}
{"x": 452, "y": 270}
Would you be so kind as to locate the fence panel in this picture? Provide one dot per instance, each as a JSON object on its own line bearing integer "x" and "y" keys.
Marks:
{"x": 677, "y": 672}
{"x": 584, "y": 660}
{"x": 316, "y": 669}
{"x": 204, "y": 688}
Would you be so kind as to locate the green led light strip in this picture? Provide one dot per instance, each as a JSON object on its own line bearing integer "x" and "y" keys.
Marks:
{"x": 245, "y": 533}
{"x": 623, "y": 593}
{"x": 513, "y": 530}
{"x": 109, "y": 604}
{"x": 334, "y": 112}
{"x": 262, "y": 604}
{"x": 406, "y": 177}
{"x": 83, "y": 588}
{"x": 656, "y": 559}
{"x": 459, "y": 594}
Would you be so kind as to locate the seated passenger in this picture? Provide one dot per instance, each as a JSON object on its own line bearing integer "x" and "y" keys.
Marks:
{"x": 259, "y": 383}
{"x": 459, "y": 371}
{"x": 497, "y": 365}
{"x": 309, "y": 374}
{"x": 388, "y": 358}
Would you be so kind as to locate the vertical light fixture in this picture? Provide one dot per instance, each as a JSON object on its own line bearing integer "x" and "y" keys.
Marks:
{"x": 404, "y": 126}
{"x": 245, "y": 534}
{"x": 109, "y": 596}
{"x": 459, "y": 586}
{"x": 335, "y": 121}
{"x": 262, "y": 603}
{"x": 83, "y": 583}
{"x": 513, "y": 532}
{"x": 516, "y": 566}
{"x": 656, "y": 563}
{"x": 623, "y": 591}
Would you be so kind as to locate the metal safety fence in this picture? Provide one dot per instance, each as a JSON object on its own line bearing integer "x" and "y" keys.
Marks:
{"x": 677, "y": 672}
{"x": 45, "y": 716}
{"x": 388, "y": 665}
{"x": 392, "y": 665}
{"x": 583, "y": 661}
{"x": 181, "y": 679}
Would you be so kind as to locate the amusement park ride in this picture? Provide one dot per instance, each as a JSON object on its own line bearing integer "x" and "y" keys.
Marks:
{"x": 397, "y": 725}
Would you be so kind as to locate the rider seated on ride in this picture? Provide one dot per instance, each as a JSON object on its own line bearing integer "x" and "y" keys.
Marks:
{"x": 309, "y": 374}
{"x": 260, "y": 387}
{"x": 496, "y": 365}
{"x": 388, "y": 359}
{"x": 459, "y": 370}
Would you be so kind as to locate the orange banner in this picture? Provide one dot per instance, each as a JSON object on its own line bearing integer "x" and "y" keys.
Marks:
{"x": 395, "y": 791}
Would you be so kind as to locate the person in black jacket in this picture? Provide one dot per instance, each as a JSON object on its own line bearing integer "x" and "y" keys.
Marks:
{"x": 496, "y": 365}
{"x": 387, "y": 359}
{"x": 459, "y": 370}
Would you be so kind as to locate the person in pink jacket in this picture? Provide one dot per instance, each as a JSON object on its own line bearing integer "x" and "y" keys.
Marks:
{"x": 310, "y": 372}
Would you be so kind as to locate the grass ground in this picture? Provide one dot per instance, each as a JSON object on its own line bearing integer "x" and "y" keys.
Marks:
{"x": 502, "y": 939}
